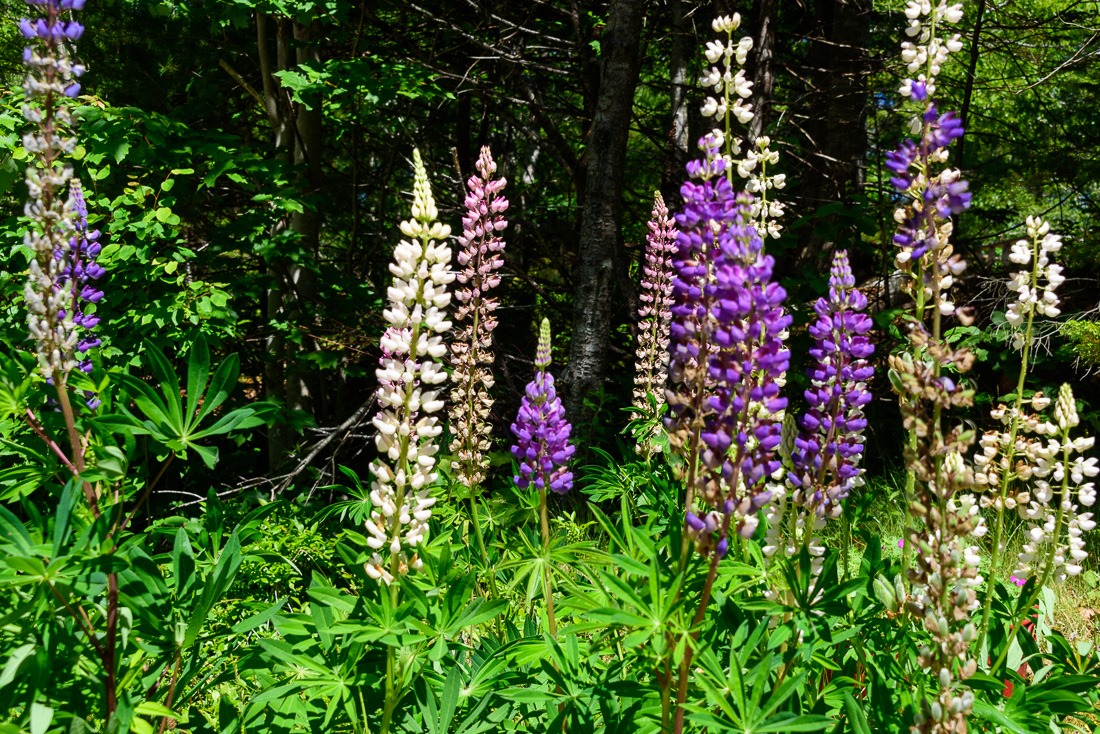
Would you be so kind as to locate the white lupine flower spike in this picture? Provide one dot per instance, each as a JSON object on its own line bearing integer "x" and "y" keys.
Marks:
{"x": 403, "y": 473}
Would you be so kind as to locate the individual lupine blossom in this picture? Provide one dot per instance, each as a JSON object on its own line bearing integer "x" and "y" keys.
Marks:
{"x": 51, "y": 80}
{"x": 726, "y": 355}
{"x": 732, "y": 90}
{"x": 471, "y": 351}
{"x": 1036, "y": 285}
{"x": 655, "y": 313}
{"x": 412, "y": 346}
{"x": 542, "y": 445}
{"x": 1059, "y": 488}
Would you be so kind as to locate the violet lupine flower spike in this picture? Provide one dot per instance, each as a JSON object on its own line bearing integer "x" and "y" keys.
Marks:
{"x": 826, "y": 450}
{"x": 726, "y": 356}
{"x": 79, "y": 278}
{"x": 829, "y": 446}
{"x": 411, "y": 349}
{"x": 471, "y": 350}
{"x": 541, "y": 429}
{"x": 51, "y": 79}
{"x": 651, "y": 367}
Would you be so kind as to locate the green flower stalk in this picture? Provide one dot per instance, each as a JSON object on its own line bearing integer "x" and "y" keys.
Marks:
{"x": 408, "y": 388}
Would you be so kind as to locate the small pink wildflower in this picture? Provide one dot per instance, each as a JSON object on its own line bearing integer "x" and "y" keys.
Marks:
{"x": 1017, "y": 580}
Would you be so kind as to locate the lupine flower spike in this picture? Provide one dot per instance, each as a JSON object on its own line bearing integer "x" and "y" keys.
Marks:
{"x": 409, "y": 393}
{"x": 733, "y": 90}
{"x": 542, "y": 445}
{"x": 944, "y": 573}
{"x": 1054, "y": 547}
{"x": 825, "y": 453}
{"x": 726, "y": 356}
{"x": 54, "y": 315}
{"x": 1011, "y": 456}
{"x": 471, "y": 350}
{"x": 655, "y": 313}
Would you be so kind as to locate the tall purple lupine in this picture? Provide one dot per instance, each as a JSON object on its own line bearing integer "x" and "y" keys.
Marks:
{"x": 542, "y": 432}
{"x": 471, "y": 350}
{"x": 726, "y": 356}
{"x": 655, "y": 313}
{"x": 51, "y": 80}
{"x": 829, "y": 446}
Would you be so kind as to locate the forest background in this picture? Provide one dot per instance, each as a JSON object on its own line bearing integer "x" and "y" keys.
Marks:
{"x": 247, "y": 163}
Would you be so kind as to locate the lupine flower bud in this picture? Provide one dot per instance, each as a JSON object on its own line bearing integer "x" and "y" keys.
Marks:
{"x": 54, "y": 271}
{"x": 542, "y": 432}
{"x": 655, "y": 312}
{"x": 411, "y": 349}
{"x": 471, "y": 350}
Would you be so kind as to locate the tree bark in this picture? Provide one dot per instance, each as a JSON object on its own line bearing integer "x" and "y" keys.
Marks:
{"x": 600, "y": 250}
{"x": 833, "y": 122}
{"x": 763, "y": 71}
{"x": 679, "y": 135}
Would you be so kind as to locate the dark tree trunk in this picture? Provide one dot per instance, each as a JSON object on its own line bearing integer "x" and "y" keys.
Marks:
{"x": 763, "y": 70}
{"x": 679, "y": 134}
{"x": 297, "y": 138}
{"x": 600, "y": 246}
{"x": 833, "y": 120}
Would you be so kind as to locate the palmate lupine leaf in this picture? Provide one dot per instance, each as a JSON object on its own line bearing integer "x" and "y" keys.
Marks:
{"x": 179, "y": 421}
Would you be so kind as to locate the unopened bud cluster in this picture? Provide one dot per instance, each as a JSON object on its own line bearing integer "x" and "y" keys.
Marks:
{"x": 409, "y": 395}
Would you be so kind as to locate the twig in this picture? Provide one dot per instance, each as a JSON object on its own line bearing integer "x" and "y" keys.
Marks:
{"x": 318, "y": 447}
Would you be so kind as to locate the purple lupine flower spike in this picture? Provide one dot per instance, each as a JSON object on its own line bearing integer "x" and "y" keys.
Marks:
{"x": 828, "y": 448}
{"x": 541, "y": 429}
{"x": 727, "y": 355}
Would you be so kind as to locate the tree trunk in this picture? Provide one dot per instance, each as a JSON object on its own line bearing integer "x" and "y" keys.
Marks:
{"x": 679, "y": 135}
{"x": 297, "y": 138}
{"x": 763, "y": 71}
{"x": 834, "y": 121}
{"x": 600, "y": 246}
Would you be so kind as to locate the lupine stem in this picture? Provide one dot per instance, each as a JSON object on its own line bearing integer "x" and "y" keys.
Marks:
{"x": 1002, "y": 495}
{"x": 547, "y": 579}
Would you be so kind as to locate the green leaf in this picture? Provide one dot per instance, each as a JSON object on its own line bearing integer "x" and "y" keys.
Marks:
{"x": 41, "y": 716}
{"x": 11, "y": 667}
{"x": 218, "y": 583}
{"x": 183, "y": 563}
{"x": 198, "y": 372}
{"x": 857, "y": 719}
{"x": 64, "y": 514}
